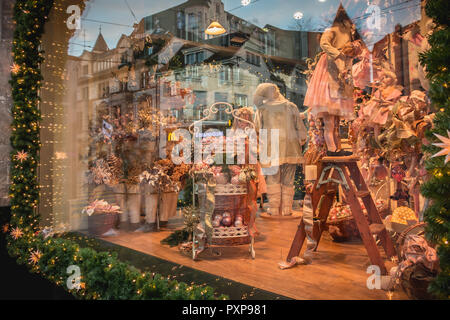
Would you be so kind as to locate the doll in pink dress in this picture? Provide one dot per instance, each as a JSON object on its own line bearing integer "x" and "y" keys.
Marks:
{"x": 361, "y": 69}
{"x": 330, "y": 91}
{"x": 378, "y": 108}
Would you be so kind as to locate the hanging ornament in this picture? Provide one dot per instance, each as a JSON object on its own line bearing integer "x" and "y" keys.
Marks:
{"x": 215, "y": 28}
{"x": 398, "y": 173}
{"x": 445, "y": 145}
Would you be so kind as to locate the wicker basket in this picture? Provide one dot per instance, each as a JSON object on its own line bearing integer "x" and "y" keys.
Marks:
{"x": 99, "y": 223}
{"x": 384, "y": 211}
{"x": 415, "y": 279}
{"x": 230, "y": 236}
{"x": 418, "y": 229}
{"x": 234, "y": 204}
{"x": 344, "y": 229}
{"x": 231, "y": 189}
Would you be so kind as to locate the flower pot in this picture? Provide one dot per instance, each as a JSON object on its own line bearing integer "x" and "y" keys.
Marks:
{"x": 151, "y": 206}
{"x": 133, "y": 203}
{"x": 100, "y": 223}
{"x": 168, "y": 205}
{"x": 121, "y": 197}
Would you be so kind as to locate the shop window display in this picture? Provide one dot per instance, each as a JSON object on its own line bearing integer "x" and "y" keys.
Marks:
{"x": 157, "y": 130}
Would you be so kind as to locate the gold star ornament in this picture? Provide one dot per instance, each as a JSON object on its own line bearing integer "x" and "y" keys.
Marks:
{"x": 5, "y": 228}
{"x": 16, "y": 233}
{"x": 35, "y": 256}
{"x": 15, "y": 68}
{"x": 21, "y": 156}
{"x": 445, "y": 145}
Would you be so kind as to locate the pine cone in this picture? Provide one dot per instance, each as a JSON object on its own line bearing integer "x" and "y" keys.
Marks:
{"x": 115, "y": 168}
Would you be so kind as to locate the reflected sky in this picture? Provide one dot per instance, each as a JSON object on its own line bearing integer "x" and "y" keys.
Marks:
{"x": 116, "y": 17}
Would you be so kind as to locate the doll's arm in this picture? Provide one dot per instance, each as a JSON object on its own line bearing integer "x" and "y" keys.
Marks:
{"x": 258, "y": 122}
{"x": 299, "y": 125}
{"x": 326, "y": 44}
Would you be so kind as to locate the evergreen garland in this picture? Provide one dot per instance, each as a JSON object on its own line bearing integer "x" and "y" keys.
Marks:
{"x": 103, "y": 275}
{"x": 30, "y": 17}
{"x": 437, "y": 188}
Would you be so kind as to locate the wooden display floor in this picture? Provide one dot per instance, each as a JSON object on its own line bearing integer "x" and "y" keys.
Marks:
{"x": 338, "y": 270}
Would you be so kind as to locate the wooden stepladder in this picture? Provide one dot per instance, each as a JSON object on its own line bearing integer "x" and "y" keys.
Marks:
{"x": 344, "y": 171}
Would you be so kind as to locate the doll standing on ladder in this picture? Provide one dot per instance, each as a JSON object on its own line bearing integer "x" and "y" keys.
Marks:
{"x": 330, "y": 91}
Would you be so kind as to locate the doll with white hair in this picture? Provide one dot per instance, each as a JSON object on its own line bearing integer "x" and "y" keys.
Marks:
{"x": 276, "y": 114}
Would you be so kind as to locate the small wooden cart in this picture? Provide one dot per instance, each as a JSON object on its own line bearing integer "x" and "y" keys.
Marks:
{"x": 231, "y": 198}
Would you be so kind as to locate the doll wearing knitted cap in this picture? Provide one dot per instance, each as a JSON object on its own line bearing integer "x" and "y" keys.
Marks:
{"x": 276, "y": 114}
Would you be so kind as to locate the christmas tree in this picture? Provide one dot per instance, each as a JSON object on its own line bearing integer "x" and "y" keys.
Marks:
{"x": 437, "y": 188}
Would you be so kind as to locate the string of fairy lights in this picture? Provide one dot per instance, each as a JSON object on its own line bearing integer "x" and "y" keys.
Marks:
{"x": 48, "y": 256}
{"x": 30, "y": 124}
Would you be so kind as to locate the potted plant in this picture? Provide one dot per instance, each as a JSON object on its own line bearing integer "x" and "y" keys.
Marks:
{"x": 102, "y": 217}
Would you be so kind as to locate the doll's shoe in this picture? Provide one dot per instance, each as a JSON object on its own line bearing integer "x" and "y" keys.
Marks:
{"x": 339, "y": 153}
{"x": 147, "y": 227}
{"x": 163, "y": 224}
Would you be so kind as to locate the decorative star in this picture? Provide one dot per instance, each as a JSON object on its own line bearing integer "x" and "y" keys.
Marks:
{"x": 15, "y": 68}
{"x": 35, "y": 256}
{"x": 445, "y": 145}
{"x": 16, "y": 233}
{"x": 5, "y": 228}
{"x": 21, "y": 156}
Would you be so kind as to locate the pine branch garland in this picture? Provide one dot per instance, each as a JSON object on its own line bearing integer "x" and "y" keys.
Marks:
{"x": 30, "y": 17}
{"x": 437, "y": 188}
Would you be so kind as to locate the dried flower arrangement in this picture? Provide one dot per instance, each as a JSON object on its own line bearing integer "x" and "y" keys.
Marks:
{"x": 100, "y": 206}
{"x": 165, "y": 176}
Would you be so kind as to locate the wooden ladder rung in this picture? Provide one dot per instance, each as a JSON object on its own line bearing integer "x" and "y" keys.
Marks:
{"x": 376, "y": 228}
{"x": 362, "y": 194}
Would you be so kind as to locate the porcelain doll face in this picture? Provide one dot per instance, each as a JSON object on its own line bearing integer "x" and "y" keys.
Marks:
{"x": 242, "y": 124}
{"x": 418, "y": 100}
{"x": 388, "y": 79}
